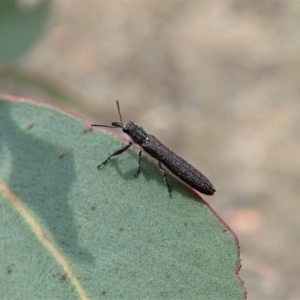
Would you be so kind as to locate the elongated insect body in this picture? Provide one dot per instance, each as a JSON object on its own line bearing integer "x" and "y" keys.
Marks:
{"x": 177, "y": 165}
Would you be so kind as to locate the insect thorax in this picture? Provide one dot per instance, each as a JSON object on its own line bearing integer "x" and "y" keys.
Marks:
{"x": 137, "y": 133}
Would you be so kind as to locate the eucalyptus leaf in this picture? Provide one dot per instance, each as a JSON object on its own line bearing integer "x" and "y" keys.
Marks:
{"x": 70, "y": 229}
{"x": 20, "y": 27}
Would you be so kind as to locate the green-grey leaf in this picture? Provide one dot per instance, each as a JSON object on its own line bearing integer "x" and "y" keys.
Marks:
{"x": 68, "y": 228}
{"x": 20, "y": 27}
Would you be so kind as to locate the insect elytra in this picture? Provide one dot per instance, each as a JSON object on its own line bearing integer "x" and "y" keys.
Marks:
{"x": 165, "y": 157}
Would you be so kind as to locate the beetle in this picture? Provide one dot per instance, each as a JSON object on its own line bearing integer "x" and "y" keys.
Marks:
{"x": 165, "y": 157}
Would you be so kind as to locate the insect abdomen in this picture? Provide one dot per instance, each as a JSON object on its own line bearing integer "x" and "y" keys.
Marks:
{"x": 178, "y": 166}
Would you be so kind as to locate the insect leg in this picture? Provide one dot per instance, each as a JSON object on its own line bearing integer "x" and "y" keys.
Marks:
{"x": 117, "y": 152}
{"x": 165, "y": 178}
{"x": 139, "y": 161}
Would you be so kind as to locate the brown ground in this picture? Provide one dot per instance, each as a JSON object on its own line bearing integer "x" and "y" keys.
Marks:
{"x": 218, "y": 82}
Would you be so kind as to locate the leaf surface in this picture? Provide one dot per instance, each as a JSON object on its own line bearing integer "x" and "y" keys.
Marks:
{"x": 20, "y": 27}
{"x": 69, "y": 229}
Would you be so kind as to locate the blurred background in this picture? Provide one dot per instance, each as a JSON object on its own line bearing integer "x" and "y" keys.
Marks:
{"x": 216, "y": 81}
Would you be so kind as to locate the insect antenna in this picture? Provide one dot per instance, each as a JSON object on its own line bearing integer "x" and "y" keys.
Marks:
{"x": 118, "y": 105}
{"x": 114, "y": 124}
{"x": 100, "y": 125}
